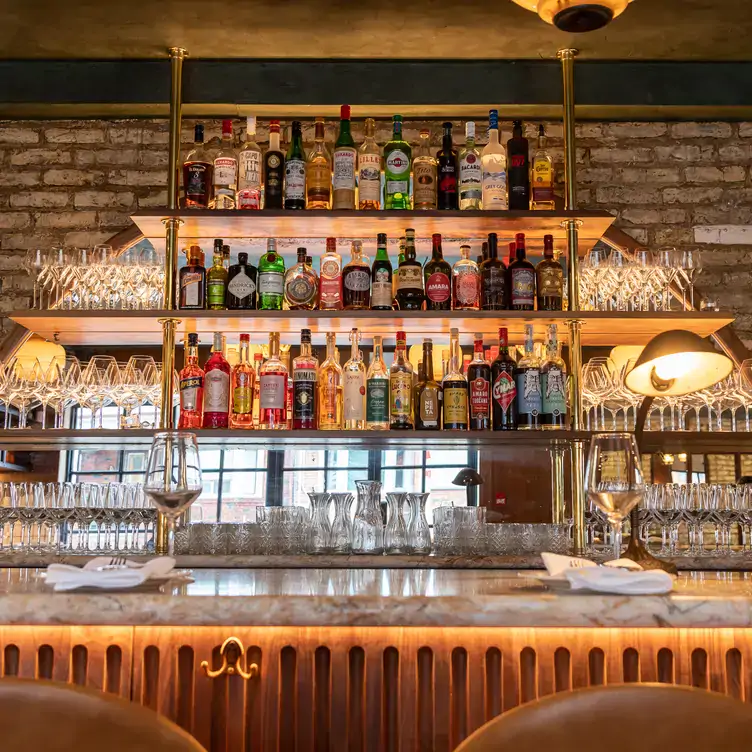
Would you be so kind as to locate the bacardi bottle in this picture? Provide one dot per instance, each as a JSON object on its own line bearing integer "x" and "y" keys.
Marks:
{"x": 217, "y": 387}
{"x": 527, "y": 376}
{"x": 191, "y": 380}
{"x": 377, "y": 390}
{"x": 454, "y": 388}
{"x": 401, "y": 388}
{"x": 249, "y": 169}
{"x": 479, "y": 381}
{"x": 330, "y": 279}
{"x": 243, "y": 377}
{"x": 354, "y": 375}
{"x": 304, "y": 375}
{"x": 273, "y": 389}
{"x": 504, "y": 390}
{"x": 471, "y": 174}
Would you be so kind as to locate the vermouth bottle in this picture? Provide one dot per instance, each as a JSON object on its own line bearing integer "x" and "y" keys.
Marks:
{"x": 504, "y": 389}
{"x": 401, "y": 388}
{"x": 216, "y": 387}
{"x": 454, "y": 388}
{"x": 273, "y": 388}
{"x": 243, "y": 377}
{"x": 354, "y": 375}
{"x": 191, "y": 380}
{"x": 344, "y": 164}
{"x": 304, "y": 373}
{"x": 470, "y": 171}
{"x": 479, "y": 381}
{"x": 410, "y": 277}
{"x": 397, "y": 163}
{"x": 527, "y": 376}
{"x": 377, "y": 390}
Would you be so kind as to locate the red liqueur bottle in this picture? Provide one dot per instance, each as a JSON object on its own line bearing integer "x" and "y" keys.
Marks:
{"x": 191, "y": 380}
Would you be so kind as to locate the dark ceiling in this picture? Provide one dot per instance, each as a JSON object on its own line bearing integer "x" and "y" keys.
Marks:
{"x": 649, "y": 29}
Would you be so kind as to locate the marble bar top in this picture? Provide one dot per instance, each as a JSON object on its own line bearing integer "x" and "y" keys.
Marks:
{"x": 375, "y": 597}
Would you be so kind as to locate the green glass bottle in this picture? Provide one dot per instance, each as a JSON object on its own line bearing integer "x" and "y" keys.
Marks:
{"x": 295, "y": 164}
{"x": 216, "y": 280}
{"x": 398, "y": 156}
{"x": 271, "y": 279}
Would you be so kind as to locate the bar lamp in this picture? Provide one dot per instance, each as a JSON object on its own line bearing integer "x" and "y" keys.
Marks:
{"x": 576, "y": 16}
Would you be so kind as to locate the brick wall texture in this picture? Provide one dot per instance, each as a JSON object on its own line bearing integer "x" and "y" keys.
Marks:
{"x": 77, "y": 182}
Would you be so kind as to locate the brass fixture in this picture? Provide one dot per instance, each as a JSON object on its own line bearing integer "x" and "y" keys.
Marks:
{"x": 232, "y": 652}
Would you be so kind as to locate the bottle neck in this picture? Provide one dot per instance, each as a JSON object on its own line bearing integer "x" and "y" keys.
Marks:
{"x": 274, "y": 141}
{"x": 274, "y": 348}
{"x": 397, "y": 131}
{"x": 381, "y": 253}
{"x": 410, "y": 250}
{"x": 376, "y": 349}
{"x": 217, "y": 346}
{"x": 520, "y": 253}
{"x": 437, "y": 252}
{"x": 447, "y": 141}
{"x": 455, "y": 359}
{"x": 541, "y": 142}
{"x": 244, "y": 347}
{"x": 345, "y": 137}
{"x": 493, "y": 135}
{"x": 318, "y": 133}
{"x": 305, "y": 349}
{"x": 330, "y": 349}
{"x": 217, "y": 259}
{"x": 493, "y": 250}
{"x": 399, "y": 351}
{"x": 478, "y": 349}
{"x": 428, "y": 361}
{"x": 192, "y": 356}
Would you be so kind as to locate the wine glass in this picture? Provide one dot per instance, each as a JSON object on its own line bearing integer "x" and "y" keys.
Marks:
{"x": 614, "y": 479}
{"x": 173, "y": 476}
{"x": 691, "y": 265}
{"x": 34, "y": 263}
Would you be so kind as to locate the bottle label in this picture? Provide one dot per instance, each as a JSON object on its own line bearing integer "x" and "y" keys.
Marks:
{"x": 429, "y": 408}
{"x": 304, "y": 375}
{"x": 467, "y": 286}
{"x": 494, "y": 284}
{"x": 319, "y": 178}
{"x": 215, "y": 291}
{"x": 409, "y": 277}
{"x": 225, "y": 172}
{"x": 249, "y": 165}
{"x": 191, "y": 283}
{"x": 550, "y": 282}
{"x": 216, "y": 391}
{"x": 455, "y": 405}
{"x": 241, "y": 285}
{"x": 480, "y": 398}
{"x": 400, "y": 394}
{"x": 369, "y": 177}
{"x": 242, "y": 394}
{"x": 381, "y": 290}
{"x": 523, "y": 287}
{"x": 329, "y": 394}
{"x": 295, "y": 179}
{"x": 343, "y": 175}
{"x": 355, "y": 390}
{"x": 304, "y": 391}
{"x": 249, "y": 198}
{"x": 504, "y": 391}
{"x": 189, "y": 389}
{"x": 330, "y": 284}
{"x": 271, "y": 283}
{"x": 494, "y": 189}
{"x": 438, "y": 288}
{"x": 196, "y": 186}
{"x": 543, "y": 179}
{"x": 272, "y": 391}
{"x": 376, "y": 401}
{"x": 448, "y": 178}
{"x": 398, "y": 172}
{"x": 553, "y": 386}
{"x": 300, "y": 289}
{"x": 357, "y": 280}
{"x": 424, "y": 183}
{"x": 529, "y": 400}
{"x": 470, "y": 176}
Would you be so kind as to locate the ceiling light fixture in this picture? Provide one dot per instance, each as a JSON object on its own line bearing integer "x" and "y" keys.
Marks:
{"x": 576, "y": 16}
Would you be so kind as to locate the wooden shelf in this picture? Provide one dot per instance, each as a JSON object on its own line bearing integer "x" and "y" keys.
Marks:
{"x": 143, "y": 327}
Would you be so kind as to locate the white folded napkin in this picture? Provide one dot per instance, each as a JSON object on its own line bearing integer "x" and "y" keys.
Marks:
{"x": 67, "y": 577}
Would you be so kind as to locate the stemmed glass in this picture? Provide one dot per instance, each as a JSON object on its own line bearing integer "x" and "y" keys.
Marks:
{"x": 691, "y": 265}
{"x": 173, "y": 477}
{"x": 644, "y": 263}
{"x": 668, "y": 261}
{"x": 597, "y": 384}
{"x": 99, "y": 377}
{"x": 614, "y": 479}
{"x": 34, "y": 264}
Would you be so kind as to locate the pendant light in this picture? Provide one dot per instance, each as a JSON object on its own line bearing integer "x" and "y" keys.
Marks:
{"x": 576, "y": 16}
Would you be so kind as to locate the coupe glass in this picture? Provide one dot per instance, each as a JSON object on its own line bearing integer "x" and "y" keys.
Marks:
{"x": 173, "y": 476}
{"x": 614, "y": 479}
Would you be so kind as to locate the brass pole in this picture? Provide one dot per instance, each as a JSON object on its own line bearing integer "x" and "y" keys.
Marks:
{"x": 558, "y": 512}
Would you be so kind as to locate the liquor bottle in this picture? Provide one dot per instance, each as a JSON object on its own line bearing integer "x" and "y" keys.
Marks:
{"x": 241, "y": 285}
{"x": 410, "y": 278}
{"x": 354, "y": 374}
{"x": 454, "y": 388}
{"x": 225, "y": 171}
{"x": 493, "y": 278}
{"x": 553, "y": 385}
{"x": 304, "y": 373}
{"x": 425, "y": 174}
{"x": 273, "y": 389}
{"x": 428, "y": 402}
{"x": 356, "y": 280}
{"x": 493, "y": 161}
{"x": 512, "y": 253}
{"x": 198, "y": 174}
{"x": 319, "y": 171}
{"x": 479, "y": 381}
{"x": 401, "y": 388}
{"x": 216, "y": 280}
{"x": 330, "y": 280}
{"x": 192, "y": 280}
{"x": 191, "y": 381}
{"x": 295, "y": 173}
{"x": 226, "y": 258}
{"x": 377, "y": 390}
{"x": 521, "y": 279}
{"x": 446, "y": 157}
{"x": 369, "y": 169}
{"x": 271, "y": 279}
{"x": 301, "y": 290}
{"x": 471, "y": 174}
{"x": 549, "y": 278}
{"x": 397, "y": 163}
{"x": 243, "y": 377}
{"x": 504, "y": 391}
{"x": 438, "y": 279}
{"x": 465, "y": 282}
{"x": 543, "y": 175}
{"x": 274, "y": 169}
{"x": 330, "y": 388}
{"x": 216, "y": 387}
{"x": 345, "y": 159}
{"x": 527, "y": 377}
{"x": 518, "y": 169}
{"x": 249, "y": 169}
{"x": 258, "y": 359}
{"x": 381, "y": 277}
{"x": 395, "y": 275}
{"x": 285, "y": 357}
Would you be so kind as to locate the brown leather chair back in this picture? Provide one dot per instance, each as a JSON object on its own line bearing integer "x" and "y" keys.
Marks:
{"x": 623, "y": 718}
{"x": 40, "y": 715}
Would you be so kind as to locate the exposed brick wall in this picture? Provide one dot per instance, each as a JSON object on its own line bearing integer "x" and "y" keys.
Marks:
{"x": 77, "y": 182}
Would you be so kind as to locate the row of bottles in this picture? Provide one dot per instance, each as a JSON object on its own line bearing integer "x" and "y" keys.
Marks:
{"x": 487, "y": 284}
{"x": 501, "y": 395}
{"x": 366, "y": 176}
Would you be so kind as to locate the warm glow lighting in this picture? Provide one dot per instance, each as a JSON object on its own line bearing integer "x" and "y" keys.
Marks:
{"x": 622, "y": 354}
{"x": 576, "y": 15}
{"x": 38, "y": 349}
{"x": 415, "y": 355}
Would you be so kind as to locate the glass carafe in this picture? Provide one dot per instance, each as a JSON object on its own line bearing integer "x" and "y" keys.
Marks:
{"x": 368, "y": 527}
{"x": 418, "y": 532}
{"x": 342, "y": 525}
{"x": 320, "y": 540}
{"x": 395, "y": 536}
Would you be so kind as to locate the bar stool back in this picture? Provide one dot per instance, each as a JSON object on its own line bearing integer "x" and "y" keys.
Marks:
{"x": 623, "y": 718}
{"x": 40, "y": 715}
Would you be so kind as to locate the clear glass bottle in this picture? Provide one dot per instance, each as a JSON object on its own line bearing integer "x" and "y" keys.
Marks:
{"x": 381, "y": 277}
{"x": 319, "y": 171}
{"x": 295, "y": 170}
{"x": 330, "y": 281}
{"x": 273, "y": 388}
{"x": 301, "y": 288}
{"x": 542, "y": 176}
{"x": 345, "y": 160}
{"x": 216, "y": 280}
{"x": 454, "y": 389}
{"x": 553, "y": 385}
{"x": 225, "y": 171}
{"x": 356, "y": 280}
{"x": 330, "y": 388}
{"x": 249, "y": 169}
{"x": 465, "y": 282}
{"x": 425, "y": 177}
{"x": 493, "y": 160}
{"x": 527, "y": 376}
{"x": 471, "y": 173}
{"x": 368, "y": 526}
{"x": 401, "y": 388}
{"x": 354, "y": 374}
{"x": 377, "y": 390}
{"x": 369, "y": 169}
{"x": 242, "y": 386}
{"x": 304, "y": 375}
{"x": 398, "y": 157}
{"x": 216, "y": 386}
{"x": 271, "y": 279}
{"x": 198, "y": 174}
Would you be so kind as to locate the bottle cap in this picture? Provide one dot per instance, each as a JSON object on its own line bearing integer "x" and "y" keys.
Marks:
{"x": 381, "y": 238}
{"x": 305, "y": 336}
{"x": 331, "y": 244}
{"x": 218, "y": 243}
{"x": 503, "y": 337}
{"x": 245, "y": 337}
{"x": 548, "y": 242}
{"x": 447, "y": 125}
{"x": 242, "y": 258}
{"x": 478, "y": 337}
{"x": 274, "y": 126}
{"x": 520, "y": 237}
{"x": 397, "y": 119}
{"x": 425, "y": 132}
{"x": 401, "y": 338}
{"x": 302, "y": 252}
{"x": 250, "y": 125}
{"x": 198, "y": 132}
{"x": 344, "y": 112}
{"x": 226, "y": 127}
{"x": 193, "y": 339}
{"x": 309, "y": 260}
{"x": 428, "y": 342}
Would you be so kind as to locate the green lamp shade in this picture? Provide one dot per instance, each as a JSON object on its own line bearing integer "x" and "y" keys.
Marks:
{"x": 675, "y": 363}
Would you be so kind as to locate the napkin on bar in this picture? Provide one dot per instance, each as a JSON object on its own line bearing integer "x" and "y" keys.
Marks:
{"x": 67, "y": 577}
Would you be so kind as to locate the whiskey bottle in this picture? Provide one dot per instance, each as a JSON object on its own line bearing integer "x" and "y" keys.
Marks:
{"x": 243, "y": 377}
{"x": 521, "y": 279}
{"x": 369, "y": 169}
{"x": 401, "y": 388}
{"x": 295, "y": 163}
{"x": 479, "y": 382}
{"x": 354, "y": 374}
{"x": 198, "y": 174}
{"x": 549, "y": 278}
{"x": 381, "y": 277}
{"x": 191, "y": 381}
{"x": 454, "y": 388}
{"x": 304, "y": 373}
{"x": 356, "y": 280}
{"x": 493, "y": 278}
{"x": 410, "y": 278}
{"x": 216, "y": 387}
{"x": 527, "y": 377}
{"x": 437, "y": 275}
{"x": 377, "y": 390}
{"x": 330, "y": 280}
{"x": 446, "y": 157}
{"x": 273, "y": 388}
{"x": 192, "y": 280}
{"x": 428, "y": 402}
{"x": 553, "y": 385}
{"x": 543, "y": 175}
{"x": 397, "y": 164}
{"x": 301, "y": 290}
{"x": 225, "y": 171}
{"x": 425, "y": 174}
{"x": 504, "y": 391}
{"x": 241, "y": 285}
{"x": 494, "y": 167}
{"x": 471, "y": 174}
{"x": 518, "y": 166}
{"x": 216, "y": 280}
{"x": 330, "y": 388}
{"x": 274, "y": 169}
{"x": 345, "y": 158}
{"x": 319, "y": 171}
{"x": 249, "y": 169}
{"x": 465, "y": 282}
{"x": 271, "y": 278}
